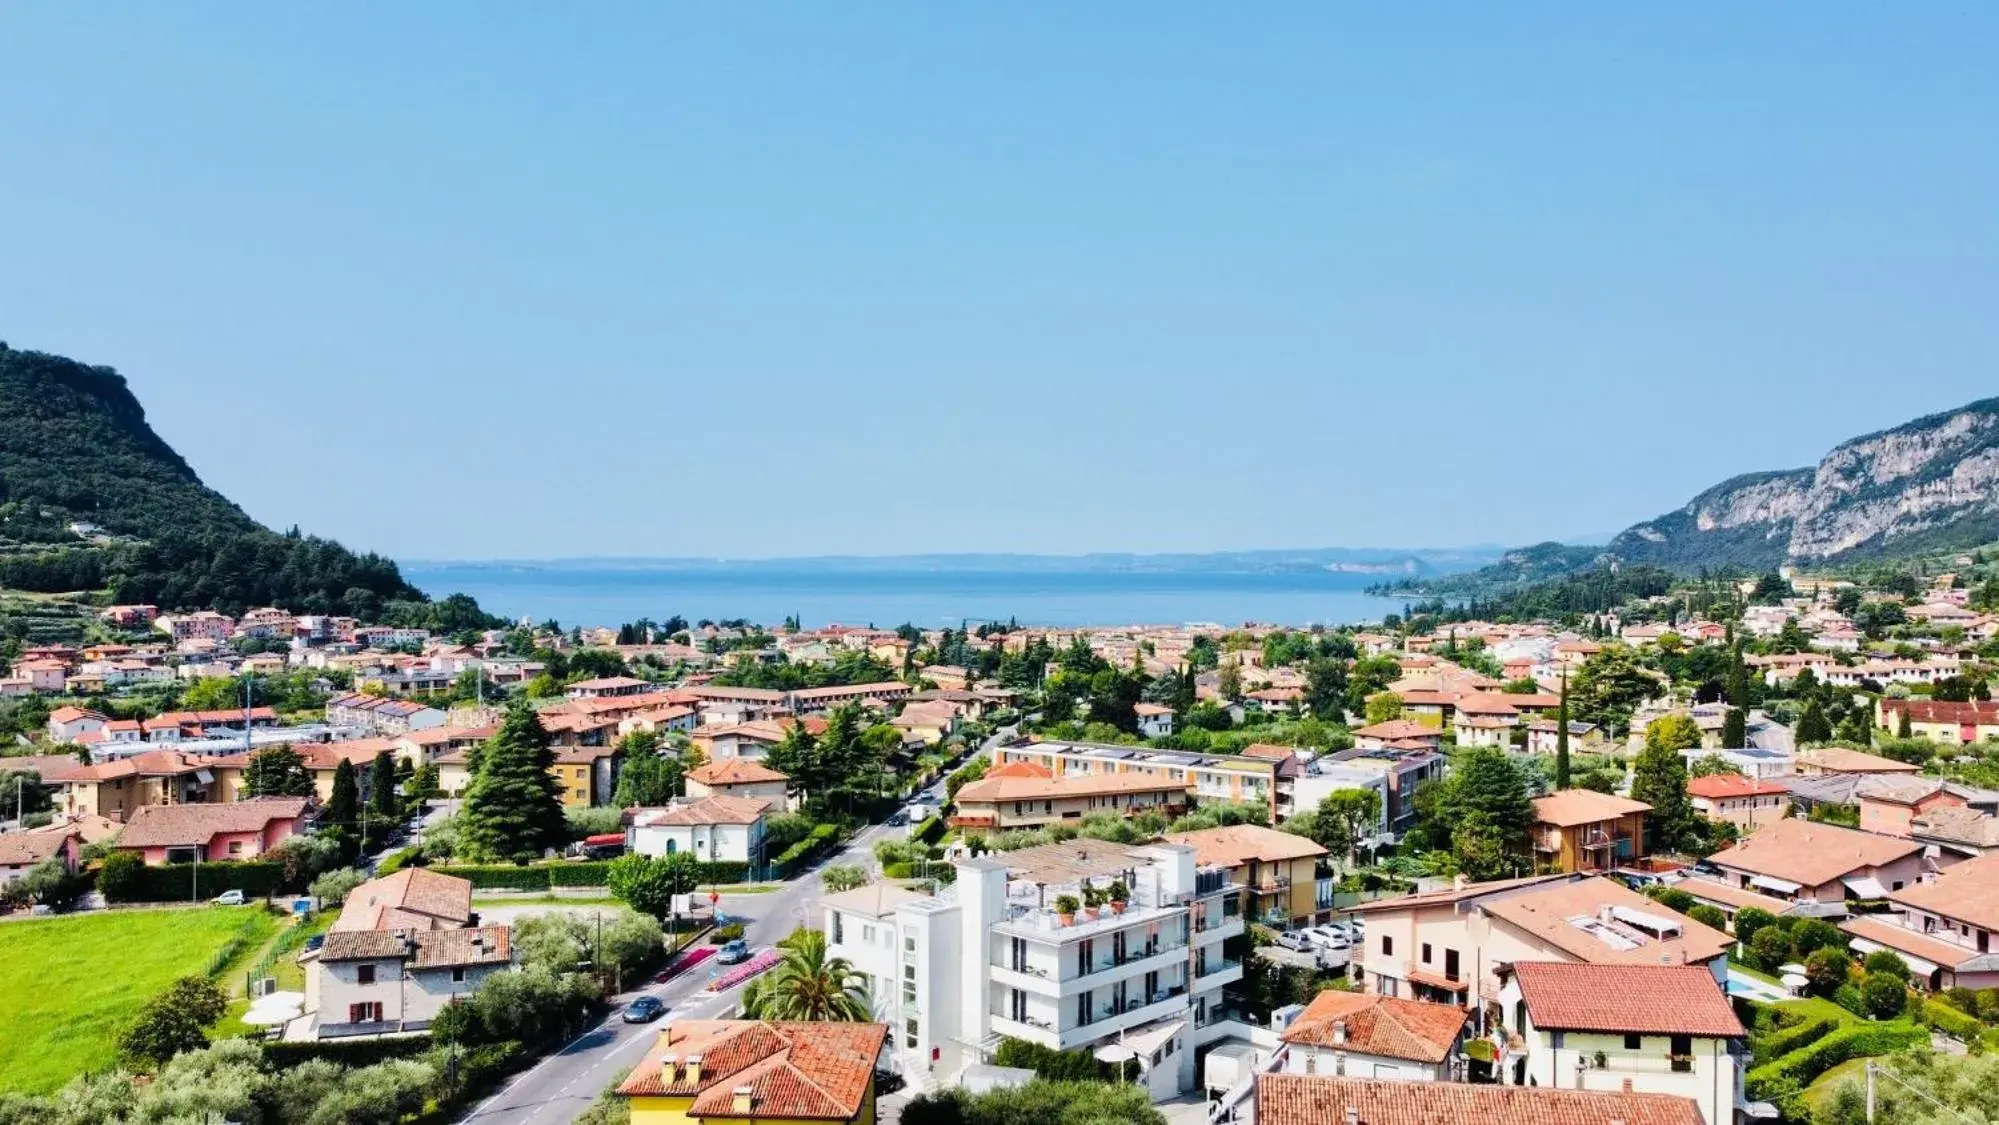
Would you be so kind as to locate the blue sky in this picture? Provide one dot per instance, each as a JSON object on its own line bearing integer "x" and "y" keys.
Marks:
{"x": 469, "y": 280}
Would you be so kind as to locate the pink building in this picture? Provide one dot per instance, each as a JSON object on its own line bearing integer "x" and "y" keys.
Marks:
{"x": 211, "y": 832}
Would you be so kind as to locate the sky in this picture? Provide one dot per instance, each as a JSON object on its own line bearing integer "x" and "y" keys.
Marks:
{"x": 472, "y": 280}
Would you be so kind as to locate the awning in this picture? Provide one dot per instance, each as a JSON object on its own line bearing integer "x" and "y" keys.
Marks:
{"x": 1772, "y": 883}
{"x": 1917, "y": 965}
{"x": 1865, "y": 887}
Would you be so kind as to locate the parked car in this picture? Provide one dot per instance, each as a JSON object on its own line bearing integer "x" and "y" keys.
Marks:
{"x": 733, "y": 953}
{"x": 644, "y": 1010}
{"x": 229, "y": 898}
{"x": 1323, "y": 936}
{"x": 1296, "y": 940}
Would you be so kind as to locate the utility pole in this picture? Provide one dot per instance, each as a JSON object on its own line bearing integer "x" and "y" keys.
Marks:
{"x": 1870, "y": 1092}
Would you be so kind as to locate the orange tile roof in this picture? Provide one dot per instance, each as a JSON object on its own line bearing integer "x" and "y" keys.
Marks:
{"x": 441, "y": 901}
{"x": 168, "y": 826}
{"x": 1873, "y": 928}
{"x": 1968, "y": 892}
{"x": 1568, "y": 808}
{"x": 735, "y": 771}
{"x": 1020, "y": 769}
{"x": 1269, "y": 752}
{"x": 1837, "y": 759}
{"x": 1548, "y": 913}
{"x": 1811, "y": 854}
{"x": 1380, "y": 1025}
{"x": 1397, "y": 729}
{"x": 1449, "y": 895}
{"x": 1237, "y": 844}
{"x": 1718, "y": 786}
{"x": 1309, "y": 1099}
{"x": 705, "y": 810}
{"x": 811, "y": 1071}
{"x": 1645, "y": 999}
{"x": 990, "y": 789}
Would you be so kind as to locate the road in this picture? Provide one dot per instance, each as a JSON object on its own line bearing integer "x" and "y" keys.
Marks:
{"x": 563, "y": 1084}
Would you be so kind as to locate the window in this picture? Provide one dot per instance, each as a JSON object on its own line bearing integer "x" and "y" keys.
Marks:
{"x": 1426, "y": 952}
{"x": 236, "y": 848}
{"x": 1085, "y": 1014}
{"x": 458, "y": 975}
{"x": 1683, "y": 1053}
{"x": 867, "y": 935}
{"x": 1451, "y": 964}
{"x": 364, "y": 974}
{"x": 1634, "y": 1042}
{"x": 366, "y": 1012}
{"x": 1387, "y": 946}
{"x": 839, "y": 928}
{"x": 909, "y": 1033}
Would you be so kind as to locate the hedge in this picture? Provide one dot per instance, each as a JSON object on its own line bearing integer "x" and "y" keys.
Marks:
{"x": 796, "y": 855}
{"x": 188, "y": 882}
{"x": 283, "y": 1055}
{"x": 499, "y": 877}
{"x": 930, "y": 831}
{"x": 1790, "y": 1037}
{"x": 591, "y": 873}
{"x": 397, "y": 860}
{"x": 1856, "y": 1041}
{"x": 1950, "y": 1021}
{"x": 588, "y": 873}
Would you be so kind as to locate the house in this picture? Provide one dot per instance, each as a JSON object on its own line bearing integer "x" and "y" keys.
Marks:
{"x": 1758, "y": 763}
{"x": 927, "y": 722}
{"x": 806, "y": 701}
{"x": 1645, "y": 1029}
{"x": 22, "y": 852}
{"x": 1835, "y": 759}
{"x": 1959, "y": 831}
{"x": 211, "y": 832}
{"x": 739, "y": 740}
{"x": 116, "y": 789}
{"x": 1154, "y": 720}
{"x": 712, "y": 829}
{"x": 860, "y": 927}
{"x": 1947, "y": 930}
{"x": 1235, "y": 778}
{"x": 1354, "y": 1034}
{"x": 1002, "y": 801}
{"x": 382, "y": 716}
{"x": 586, "y": 774}
{"x": 378, "y": 981}
{"x": 67, "y": 724}
{"x": 1277, "y": 871}
{"x": 415, "y": 898}
{"x": 739, "y": 777}
{"x": 1958, "y": 724}
{"x": 1889, "y": 803}
{"x": 1446, "y": 945}
{"x": 1583, "y": 830}
{"x": 1301, "y": 1099}
{"x": 1397, "y": 733}
{"x": 1544, "y": 736}
{"x": 1744, "y": 802}
{"x": 1731, "y": 899}
{"x": 609, "y": 686}
{"x": 770, "y": 1073}
{"x": 1823, "y": 863}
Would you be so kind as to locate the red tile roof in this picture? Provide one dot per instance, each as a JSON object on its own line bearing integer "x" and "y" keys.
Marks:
{"x": 1645, "y": 999}
{"x": 413, "y": 897}
{"x": 1811, "y": 854}
{"x": 1718, "y": 786}
{"x": 173, "y": 826}
{"x": 1571, "y": 807}
{"x": 811, "y": 1071}
{"x": 1380, "y": 1025}
{"x": 735, "y": 771}
{"x": 1306, "y": 1099}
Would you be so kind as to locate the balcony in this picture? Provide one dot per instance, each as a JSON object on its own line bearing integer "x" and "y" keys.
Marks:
{"x": 1218, "y": 972}
{"x": 1230, "y": 926}
{"x": 1102, "y": 972}
{"x": 1136, "y": 1012}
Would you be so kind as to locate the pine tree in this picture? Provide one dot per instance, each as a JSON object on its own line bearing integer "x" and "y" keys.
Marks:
{"x": 1562, "y": 738}
{"x": 342, "y": 819}
{"x": 383, "y": 805}
{"x": 513, "y": 808}
{"x": 276, "y": 771}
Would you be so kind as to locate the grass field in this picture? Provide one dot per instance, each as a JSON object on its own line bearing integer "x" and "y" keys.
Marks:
{"x": 68, "y": 986}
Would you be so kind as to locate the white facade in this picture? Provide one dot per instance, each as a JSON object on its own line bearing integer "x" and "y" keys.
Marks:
{"x": 737, "y": 843}
{"x": 1703, "y": 1068}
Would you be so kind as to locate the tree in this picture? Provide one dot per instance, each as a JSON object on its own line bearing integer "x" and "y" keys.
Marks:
{"x": 423, "y": 783}
{"x": 1708, "y": 916}
{"x": 174, "y": 1021}
{"x": 1883, "y": 995}
{"x": 648, "y": 779}
{"x": 1827, "y": 969}
{"x": 1710, "y": 765}
{"x": 1343, "y": 819}
{"x": 806, "y": 984}
{"x": 342, "y": 819}
{"x": 1771, "y": 947}
{"x": 1659, "y": 778}
{"x": 332, "y": 888}
{"x": 1230, "y": 685}
{"x": 1562, "y": 737}
{"x": 1812, "y": 724}
{"x": 1326, "y": 689}
{"x": 648, "y": 883}
{"x": 384, "y": 806}
{"x": 843, "y": 877}
{"x": 1902, "y": 728}
{"x": 1481, "y": 847}
{"x": 1734, "y": 729}
{"x": 276, "y": 771}
{"x": 513, "y": 807}
{"x": 1383, "y": 707}
{"x": 1609, "y": 687}
{"x": 1749, "y": 921}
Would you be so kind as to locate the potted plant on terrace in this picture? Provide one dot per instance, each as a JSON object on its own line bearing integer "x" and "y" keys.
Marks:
{"x": 1065, "y": 909}
{"x": 1119, "y": 895}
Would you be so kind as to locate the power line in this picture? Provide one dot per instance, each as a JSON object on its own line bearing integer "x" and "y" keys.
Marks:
{"x": 1876, "y": 1070}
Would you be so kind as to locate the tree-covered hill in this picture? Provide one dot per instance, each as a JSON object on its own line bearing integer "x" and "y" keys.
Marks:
{"x": 75, "y": 449}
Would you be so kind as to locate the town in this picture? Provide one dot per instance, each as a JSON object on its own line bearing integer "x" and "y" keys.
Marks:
{"x": 1706, "y": 850}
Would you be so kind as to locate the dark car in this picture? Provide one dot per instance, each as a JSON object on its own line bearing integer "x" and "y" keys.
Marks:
{"x": 644, "y": 1010}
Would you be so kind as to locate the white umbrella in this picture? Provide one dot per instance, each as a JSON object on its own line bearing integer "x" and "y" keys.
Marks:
{"x": 1792, "y": 970}
{"x": 1795, "y": 981}
{"x": 270, "y": 1017}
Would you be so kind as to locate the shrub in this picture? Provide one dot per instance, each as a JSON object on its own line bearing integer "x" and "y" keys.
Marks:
{"x": 1771, "y": 948}
{"x": 1848, "y": 996}
{"x": 1884, "y": 995}
{"x": 332, "y": 888}
{"x": 1049, "y": 1064}
{"x": 281, "y": 1056}
{"x": 500, "y": 877}
{"x": 1827, "y": 970}
{"x": 1851, "y": 1042}
{"x": 397, "y": 860}
{"x": 1673, "y": 898}
{"x": 588, "y": 874}
{"x": 1950, "y": 1021}
{"x": 1749, "y": 921}
{"x": 1809, "y": 935}
{"x": 723, "y": 934}
{"x": 1708, "y": 916}
{"x": 1790, "y": 1036}
{"x": 1884, "y": 961}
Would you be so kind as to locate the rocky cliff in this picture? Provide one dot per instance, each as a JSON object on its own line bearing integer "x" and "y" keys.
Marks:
{"x": 1930, "y": 484}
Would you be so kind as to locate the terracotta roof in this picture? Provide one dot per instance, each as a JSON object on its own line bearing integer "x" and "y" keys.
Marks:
{"x": 1309, "y": 1099}
{"x": 51, "y": 768}
{"x": 1941, "y": 711}
{"x": 704, "y": 810}
{"x": 1380, "y": 1025}
{"x": 1809, "y": 854}
{"x": 25, "y": 849}
{"x": 607, "y": 684}
{"x": 1734, "y": 898}
{"x": 412, "y": 893}
{"x": 1968, "y": 892}
{"x": 1874, "y": 928}
{"x": 1449, "y": 895}
{"x": 72, "y": 714}
{"x": 167, "y": 826}
{"x": 365, "y": 945}
{"x": 1720, "y": 786}
{"x": 484, "y": 945}
{"x": 1837, "y": 759}
{"x": 1237, "y": 844}
{"x": 989, "y": 789}
{"x": 812, "y": 1071}
{"x": 735, "y": 771}
{"x": 1269, "y": 752}
{"x": 1562, "y": 915}
{"x": 1952, "y": 824}
{"x": 1645, "y": 999}
{"x": 1020, "y": 769}
{"x": 1570, "y": 807}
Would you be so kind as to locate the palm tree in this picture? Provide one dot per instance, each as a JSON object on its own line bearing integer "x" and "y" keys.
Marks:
{"x": 808, "y": 985}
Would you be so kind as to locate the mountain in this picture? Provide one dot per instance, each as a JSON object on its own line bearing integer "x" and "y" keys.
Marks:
{"x": 92, "y": 499}
{"x": 1927, "y": 485}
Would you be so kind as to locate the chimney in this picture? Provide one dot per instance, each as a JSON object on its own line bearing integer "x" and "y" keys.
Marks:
{"x": 1353, "y": 1116}
{"x": 1603, "y": 914}
{"x": 1627, "y": 1085}
{"x": 694, "y": 1068}
{"x": 669, "y": 1069}
{"x": 1339, "y": 1033}
{"x": 740, "y": 1099}
{"x": 1459, "y": 882}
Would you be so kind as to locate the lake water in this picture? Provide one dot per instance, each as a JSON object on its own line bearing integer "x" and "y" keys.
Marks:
{"x": 601, "y": 595}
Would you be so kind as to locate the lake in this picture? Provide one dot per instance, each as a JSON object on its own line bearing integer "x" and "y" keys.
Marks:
{"x": 585, "y": 594}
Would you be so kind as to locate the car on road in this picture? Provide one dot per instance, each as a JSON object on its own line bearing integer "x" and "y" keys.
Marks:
{"x": 644, "y": 1010}
{"x": 229, "y": 898}
{"x": 1322, "y": 937}
{"x": 1296, "y": 940}
{"x": 733, "y": 953}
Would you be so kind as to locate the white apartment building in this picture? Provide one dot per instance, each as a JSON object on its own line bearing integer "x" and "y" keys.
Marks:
{"x": 990, "y": 957}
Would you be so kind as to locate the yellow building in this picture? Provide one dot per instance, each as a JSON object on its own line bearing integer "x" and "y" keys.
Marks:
{"x": 1278, "y": 871}
{"x": 755, "y": 1070}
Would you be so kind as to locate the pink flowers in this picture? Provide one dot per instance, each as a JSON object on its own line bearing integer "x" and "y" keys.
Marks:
{"x": 684, "y": 962}
{"x": 744, "y": 971}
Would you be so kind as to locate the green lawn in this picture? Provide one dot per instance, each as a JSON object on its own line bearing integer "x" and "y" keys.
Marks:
{"x": 71, "y": 984}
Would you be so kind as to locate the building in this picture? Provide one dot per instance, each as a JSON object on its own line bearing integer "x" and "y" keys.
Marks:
{"x": 22, "y": 852}
{"x": 1236, "y": 778}
{"x": 1583, "y": 830}
{"x": 1961, "y": 832}
{"x": 1835, "y": 759}
{"x": 1823, "y": 863}
{"x": 67, "y": 724}
{"x": 212, "y": 832}
{"x": 609, "y": 686}
{"x": 1398, "y": 734}
{"x": 1001, "y": 953}
{"x": 1647, "y": 1029}
{"x": 1731, "y": 899}
{"x": 711, "y": 829}
{"x": 1890, "y": 803}
{"x": 380, "y": 715}
{"x": 757, "y": 1071}
{"x": 1354, "y": 1034}
{"x": 805, "y": 701}
{"x": 1005, "y": 799}
{"x": 1278, "y": 871}
{"x": 586, "y": 774}
{"x": 1154, "y": 720}
{"x": 1959, "y": 724}
{"x": 415, "y": 898}
{"x": 1947, "y": 931}
{"x": 118, "y": 788}
{"x": 860, "y": 926}
{"x": 739, "y": 777}
{"x": 1300, "y": 1099}
{"x": 372, "y": 982}
{"x": 1747, "y": 803}
{"x": 1447, "y": 945}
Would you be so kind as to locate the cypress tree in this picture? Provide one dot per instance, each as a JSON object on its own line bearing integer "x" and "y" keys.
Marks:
{"x": 1562, "y": 738}
{"x": 1902, "y": 728}
{"x": 342, "y": 819}
{"x": 1812, "y": 725}
{"x": 383, "y": 805}
{"x": 1734, "y": 729}
{"x": 513, "y": 808}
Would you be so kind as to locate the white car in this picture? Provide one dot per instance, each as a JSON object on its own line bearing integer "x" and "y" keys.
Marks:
{"x": 1295, "y": 940}
{"x": 228, "y": 898}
